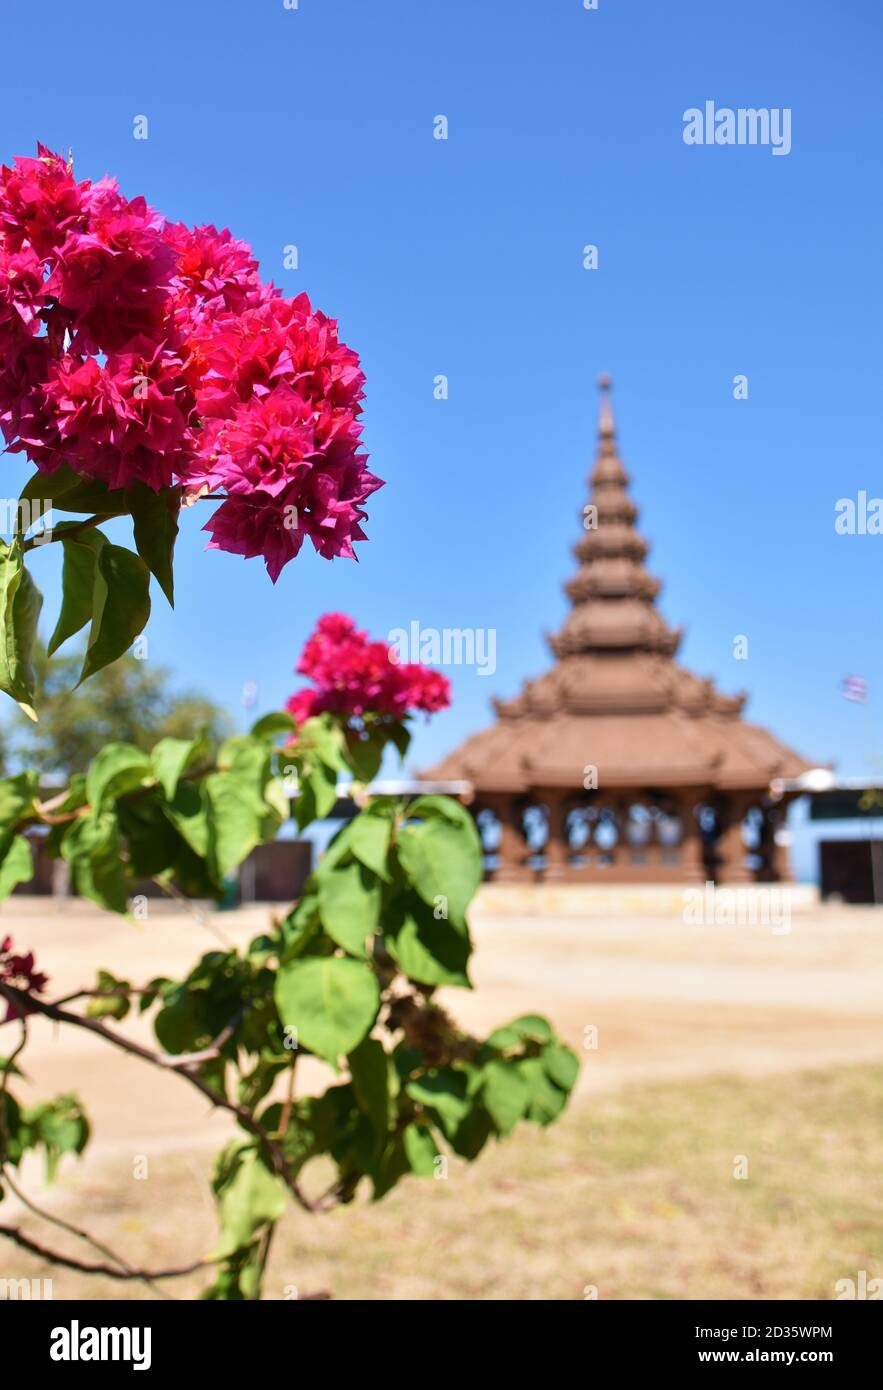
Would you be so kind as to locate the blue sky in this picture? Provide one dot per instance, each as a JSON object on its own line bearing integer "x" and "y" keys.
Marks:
{"x": 314, "y": 127}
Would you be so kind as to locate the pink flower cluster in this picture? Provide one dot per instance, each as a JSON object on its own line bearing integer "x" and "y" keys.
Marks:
{"x": 137, "y": 350}
{"x": 19, "y": 972}
{"x": 354, "y": 676}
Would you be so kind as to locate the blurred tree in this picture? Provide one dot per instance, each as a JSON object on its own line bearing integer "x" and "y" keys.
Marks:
{"x": 129, "y": 700}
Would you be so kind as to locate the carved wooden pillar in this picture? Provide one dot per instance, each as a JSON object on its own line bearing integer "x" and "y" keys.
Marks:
{"x": 692, "y": 849}
{"x": 730, "y": 850}
{"x": 557, "y": 850}
{"x": 775, "y": 857}
{"x": 513, "y": 849}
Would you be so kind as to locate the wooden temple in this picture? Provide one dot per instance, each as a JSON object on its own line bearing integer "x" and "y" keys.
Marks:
{"x": 618, "y": 765}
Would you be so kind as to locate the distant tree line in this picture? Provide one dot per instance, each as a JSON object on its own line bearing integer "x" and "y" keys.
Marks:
{"x": 130, "y": 701}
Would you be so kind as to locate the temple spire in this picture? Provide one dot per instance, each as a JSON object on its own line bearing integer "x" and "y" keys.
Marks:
{"x": 606, "y": 427}
{"x": 612, "y": 594}
{"x": 662, "y": 741}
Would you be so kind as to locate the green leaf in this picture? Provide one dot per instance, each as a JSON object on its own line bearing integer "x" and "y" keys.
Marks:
{"x": 299, "y": 927}
{"x": 112, "y": 1005}
{"x": 400, "y": 737}
{"x": 421, "y": 1149}
{"x": 249, "y": 1196}
{"x": 171, "y": 758}
{"x": 188, "y": 811}
{"x": 365, "y": 752}
{"x": 239, "y": 1277}
{"x": 473, "y": 1134}
{"x": 442, "y": 860}
{"x": 369, "y": 1069}
{"x": 330, "y": 1000}
{"x": 430, "y": 950}
{"x": 71, "y": 492}
{"x": 61, "y": 1126}
{"x": 338, "y": 848}
{"x": 323, "y": 740}
{"x": 320, "y": 745}
{"x": 93, "y": 848}
{"x": 253, "y": 1086}
{"x": 17, "y": 796}
{"x": 526, "y": 1028}
{"x": 444, "y": 1092}
{"x": 77, "y": 584}
{"x": 155, "y": 526}
{"x": 505, "y": 1095}
{"x": 34, "y": 493}
{"x": 234, "y": 818}
{"x": 249, "y": 759}
{"x": 276, "y": 797}
{"x": 120, "y": 606}
{"x": 545, "y": 1101}
{"x": 561, "y": 1064}
{"x": 318, "y": 793}
{"x": 318, "y": 1124}
{"x": 445, "y": 808}
{"x": 118, "y": 768}
{"x": 393, "y": 1165}
{"x": 20, "y": 604}
{"x": 273, "y": 726}
{"x": 16, "y": 862}
{"x": 11, "y": 1127}
{"x": 180, "y": 1023}
{"x": 369, "y": 837}
{"x": 349, "y": 905}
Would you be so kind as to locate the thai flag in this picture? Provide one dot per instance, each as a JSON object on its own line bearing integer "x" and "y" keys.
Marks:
{"x": 855, "y": 688}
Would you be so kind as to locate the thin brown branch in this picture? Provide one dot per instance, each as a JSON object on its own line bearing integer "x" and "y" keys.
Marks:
{"x": 181, "y": 1066}
{"x": 69, "y": 532}
{"x": 122, "y": 992}
{"x": 110, "y": 1271}
{"x": 285, "y": 1117}
{"x": 77, "y": 1231}
{"x": 45, "y": 808}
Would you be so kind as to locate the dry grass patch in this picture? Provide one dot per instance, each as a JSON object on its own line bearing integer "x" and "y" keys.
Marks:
{"x": 632, "y": 1193}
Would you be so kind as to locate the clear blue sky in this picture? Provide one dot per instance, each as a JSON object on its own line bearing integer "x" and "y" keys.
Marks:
{"x": 315, "y": 127}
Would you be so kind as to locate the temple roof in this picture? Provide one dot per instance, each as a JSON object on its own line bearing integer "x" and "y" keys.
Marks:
{"x": 616, "y": 698}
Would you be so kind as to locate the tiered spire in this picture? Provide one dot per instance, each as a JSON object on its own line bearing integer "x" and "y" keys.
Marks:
{"x": 615, "y": 696}
{"x": 612, "y": 593}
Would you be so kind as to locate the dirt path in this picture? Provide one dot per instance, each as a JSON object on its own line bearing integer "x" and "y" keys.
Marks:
{"x": 666, "y": 999}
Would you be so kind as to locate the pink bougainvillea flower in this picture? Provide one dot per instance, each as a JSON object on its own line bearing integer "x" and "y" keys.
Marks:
{"x": 137, "y": 350}
{"x": 122, "y": 422}
{"x": 40, "y": 202}
{"x": 25, "y": 364}
{"x": 285, "y": 482}
{"x": 214, "y": 274}
{"x": 257, "y": 524}
{"x": 22, "y": 290}
{"x": 269, "y": 444}
{"x": 275, "y": 525}
{"x": 113, "y": 282}
{"x": 354, "y": 676}
{"x": 303, "y": 704}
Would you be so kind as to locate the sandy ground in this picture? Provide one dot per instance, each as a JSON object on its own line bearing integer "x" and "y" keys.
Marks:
{"x": 664, "y": 1002}
{"x": 641, "y": 998}
{"x": 672, "y": 1000}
